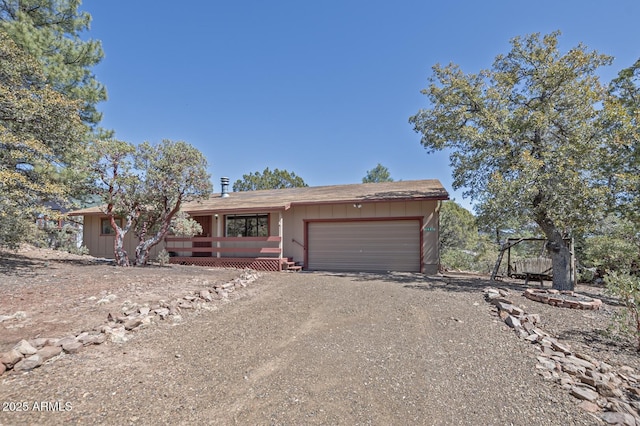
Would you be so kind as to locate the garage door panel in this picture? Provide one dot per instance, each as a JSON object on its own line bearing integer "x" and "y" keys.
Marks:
{"x": 375, "y": 246}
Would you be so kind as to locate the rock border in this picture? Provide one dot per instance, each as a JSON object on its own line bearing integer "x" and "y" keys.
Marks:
{"x": 555, "y": 298}
{"x": 29, "y": 354}
{"x": 601, "y": 389}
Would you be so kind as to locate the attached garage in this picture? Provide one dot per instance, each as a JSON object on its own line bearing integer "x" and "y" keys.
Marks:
{"x": 377, "y": 227}
{"x": 365, "y": 245}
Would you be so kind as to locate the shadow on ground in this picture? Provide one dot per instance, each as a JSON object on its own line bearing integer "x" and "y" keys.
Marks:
{"x": 600, "y": 340}
{"x": 422, "y": 282}
{"x": 462, "y": 283}
{"x": 16, "y": 264}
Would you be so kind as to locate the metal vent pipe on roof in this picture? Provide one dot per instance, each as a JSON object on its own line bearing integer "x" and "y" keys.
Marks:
{"x": 224, "y": 182}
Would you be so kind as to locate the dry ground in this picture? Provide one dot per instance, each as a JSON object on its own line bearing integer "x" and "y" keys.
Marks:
{"x": 308, "y": 348}
{"x": 63, "y": 294}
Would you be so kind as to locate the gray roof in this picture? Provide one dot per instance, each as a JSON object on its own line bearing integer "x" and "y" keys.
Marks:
{"x": 282, "y": 199}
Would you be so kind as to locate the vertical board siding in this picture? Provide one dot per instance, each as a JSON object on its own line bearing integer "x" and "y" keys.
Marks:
{"x": 102, "y": 245}
{"x": 375, "y": 246}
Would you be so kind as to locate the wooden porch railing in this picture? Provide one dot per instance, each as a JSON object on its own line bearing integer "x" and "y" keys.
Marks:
{"x": 221, "y": 245}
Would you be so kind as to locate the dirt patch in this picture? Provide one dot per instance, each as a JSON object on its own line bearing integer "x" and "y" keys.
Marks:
{"x": 307, "y": 348}
{"x": 589, "y": 331}
{"x": 55, "y": 294}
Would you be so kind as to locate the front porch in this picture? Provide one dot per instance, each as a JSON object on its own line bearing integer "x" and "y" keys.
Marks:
{"x": 259, "y": 253}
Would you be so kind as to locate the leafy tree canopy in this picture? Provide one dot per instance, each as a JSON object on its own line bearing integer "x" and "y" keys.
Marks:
{"x": 49, "y": 30}
{"x": 458, "y": 227}
{"x": 462, "y": 246}
{"x": 40, "y": 134}
{"x": 378, "y": 174}
{"x": 613, "y": 246}
{"x": 623, "y": 164}
{"x": 276, "y": 179}
{"x": 525, "y": 137}
{"x": 146, "y": 186}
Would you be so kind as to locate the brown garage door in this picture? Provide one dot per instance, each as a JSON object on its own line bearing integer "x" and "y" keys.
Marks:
{"x": 376, "y": 245}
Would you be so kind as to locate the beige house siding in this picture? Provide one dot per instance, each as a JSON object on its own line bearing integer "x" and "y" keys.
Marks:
{"x": 291, "y": 211}
{"x": 102, "y": 245}
{"x": 293, "y": 231}
{"x": 294, "y": 219}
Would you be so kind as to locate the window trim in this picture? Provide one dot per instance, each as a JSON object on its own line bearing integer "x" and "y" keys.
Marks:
{"x": 108, "y": 220}
{"x": 236, "y": 216}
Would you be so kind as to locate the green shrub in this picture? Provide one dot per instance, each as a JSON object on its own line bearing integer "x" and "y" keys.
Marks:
{"x": 481, "y": 261}
{"x": 53, "y": 237}
{"x": 609, "y": 252}
{"x": 163, "y": 257}
{"x": 626, "y": 287}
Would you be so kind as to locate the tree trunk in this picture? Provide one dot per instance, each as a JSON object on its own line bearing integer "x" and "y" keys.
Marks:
{"x": 121, "y": 255}
{"x": 142, "y": 254}
{"x": 561, "y": 258}
{"x": 122, "y": 258}
{"x": 144, "y": 245}
{"x": 143, "y": 248}
{"x": 560, "y": 255}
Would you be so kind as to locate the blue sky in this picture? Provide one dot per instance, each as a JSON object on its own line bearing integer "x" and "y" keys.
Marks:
{"x": 320, "y": 88}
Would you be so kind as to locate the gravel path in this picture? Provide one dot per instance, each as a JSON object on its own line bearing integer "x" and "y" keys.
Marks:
{"x": 308, "y": 348}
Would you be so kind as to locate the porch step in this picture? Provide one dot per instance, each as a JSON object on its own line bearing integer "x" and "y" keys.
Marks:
{"x": 291, "y": 266}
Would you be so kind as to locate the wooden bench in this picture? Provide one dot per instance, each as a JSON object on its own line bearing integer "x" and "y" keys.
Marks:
{"x": 538, "y": 268}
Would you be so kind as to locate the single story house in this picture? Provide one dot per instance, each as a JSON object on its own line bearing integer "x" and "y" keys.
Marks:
{"x": 387, "y": 226}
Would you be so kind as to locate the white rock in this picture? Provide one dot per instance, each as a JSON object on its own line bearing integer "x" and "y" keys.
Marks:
{"x": 10, "y": 358}
{"x": 39, "y": 342}
{"x": 581, "y": 362}
{"x": 615, "y": 418}
{"x": 20, "y": 315}
{"x": 513, "y": 322}
{"x": 131, "y": 324}
{"x": 107, "y": 299}
{"x": 25, "y": 348}
{"x": 117, "y": 335}
{"x": 28, "y": 363}
{"x": 204, "y": 294}
{"x": 584, "y": 393}
{"x": 162, "y": 312}
{"x": 49, "y": 352}
{"x": 92, "y": 339}
{"x": 546, "y": 363}
{"x": 66, "y": 340}
{"x": 72, "y": 347}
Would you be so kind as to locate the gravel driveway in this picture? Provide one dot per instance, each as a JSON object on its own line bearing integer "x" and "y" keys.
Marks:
{"x": 308, "y": 348}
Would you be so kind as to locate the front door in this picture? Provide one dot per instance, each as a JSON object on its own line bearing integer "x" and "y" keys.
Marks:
{"x": 205, "y": 222}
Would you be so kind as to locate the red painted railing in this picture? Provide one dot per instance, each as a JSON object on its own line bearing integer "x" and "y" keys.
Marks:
{"x": 221, "y": 246}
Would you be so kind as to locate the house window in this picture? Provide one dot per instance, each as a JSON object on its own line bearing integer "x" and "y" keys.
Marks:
{"x": 106, "y": 228}
{"x": 256, "y": 225}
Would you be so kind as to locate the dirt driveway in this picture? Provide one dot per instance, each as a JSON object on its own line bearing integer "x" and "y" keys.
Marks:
{"x": 309, "y": 348}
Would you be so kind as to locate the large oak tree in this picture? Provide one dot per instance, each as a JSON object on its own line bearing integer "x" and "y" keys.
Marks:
{"x": 120, "y": 187}
{"x": 525, "y": 137}
{"x": 145, "y": 187}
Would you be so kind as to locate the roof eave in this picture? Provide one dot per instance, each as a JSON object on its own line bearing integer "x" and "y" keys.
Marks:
{"x": 371, "y": 201}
